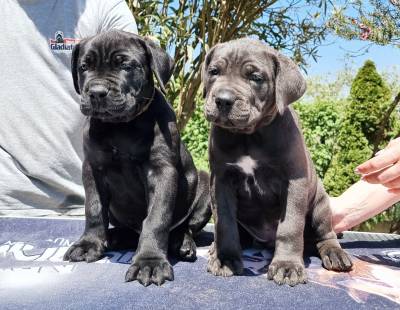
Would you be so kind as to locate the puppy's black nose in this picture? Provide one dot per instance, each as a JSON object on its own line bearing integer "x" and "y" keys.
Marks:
{"x": 224, "y": 99}
{"x": 98, "y": 92}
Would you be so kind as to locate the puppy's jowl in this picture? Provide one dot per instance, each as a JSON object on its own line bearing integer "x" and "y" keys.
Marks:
{"x": 263, "y": 182}
{"x": 137, "y": 173}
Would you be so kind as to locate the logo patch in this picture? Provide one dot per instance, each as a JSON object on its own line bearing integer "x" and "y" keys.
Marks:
{"x": 60, "y": 43}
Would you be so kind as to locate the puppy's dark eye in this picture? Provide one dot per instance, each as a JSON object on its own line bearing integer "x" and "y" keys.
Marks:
{"x": 213, "y": 71}
{"x": 256, "y": 77}
{"x": 119, "y": 59}
{"x": 126, "y": 67}
{"x": 83, "y": 67}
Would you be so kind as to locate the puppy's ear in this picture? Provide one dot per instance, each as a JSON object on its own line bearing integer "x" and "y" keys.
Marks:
{"x": 74, "y": 67}
{"x": 161, "y": 63}
{"x": 204, "y": 67}
{"x": 289, "y": 83}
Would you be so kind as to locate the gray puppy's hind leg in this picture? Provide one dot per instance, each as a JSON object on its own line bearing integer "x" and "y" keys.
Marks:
{"x": 332, "y": 255}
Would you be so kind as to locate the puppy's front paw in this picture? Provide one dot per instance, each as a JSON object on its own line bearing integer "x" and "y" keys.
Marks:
{"x": 226, "y": 267}
{"x": 150, "y": 270}
{"x": 334, "y": 258}
{"x": 88, "y": 248}
{"x": 287, "y": 272}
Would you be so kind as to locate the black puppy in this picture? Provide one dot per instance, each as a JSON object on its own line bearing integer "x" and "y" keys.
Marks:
{"x": 262, "y": 176}
{"x": 137, "y": 173}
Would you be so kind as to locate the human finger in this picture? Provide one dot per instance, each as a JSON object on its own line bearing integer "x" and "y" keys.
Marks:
{"x": 383, "y": 176}
{"x": 388, "y": 157}
{"x": 395, "y": 183}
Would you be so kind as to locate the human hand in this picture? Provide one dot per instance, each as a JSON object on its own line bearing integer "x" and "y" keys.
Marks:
{"x": 384, "y": 168}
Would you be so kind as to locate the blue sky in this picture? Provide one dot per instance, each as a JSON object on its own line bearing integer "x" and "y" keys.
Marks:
{"x": 333, "y": 55}
{"x": 335, "y": 50}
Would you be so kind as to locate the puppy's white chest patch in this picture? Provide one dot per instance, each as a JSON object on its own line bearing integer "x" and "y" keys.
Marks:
{"x": 246, "y": 164}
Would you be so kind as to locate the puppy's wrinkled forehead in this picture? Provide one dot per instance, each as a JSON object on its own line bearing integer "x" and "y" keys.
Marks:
{"x": 105, "y": 48}
{"x": 234, "y": 56}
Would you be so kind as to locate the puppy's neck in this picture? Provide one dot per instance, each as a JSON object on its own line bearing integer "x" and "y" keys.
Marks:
{"x": 147, "y": 104}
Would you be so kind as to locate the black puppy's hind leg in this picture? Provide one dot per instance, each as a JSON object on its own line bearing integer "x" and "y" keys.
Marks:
{"x": 181, "y": 244}
{"x": 201, "y": 214}
{"x": 91, "y": 245}
{"x": 182, "y": 238}
{"x": 332, "y": 255}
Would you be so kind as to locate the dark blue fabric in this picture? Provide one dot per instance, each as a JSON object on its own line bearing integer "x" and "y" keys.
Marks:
{"x": 33, "y": 276}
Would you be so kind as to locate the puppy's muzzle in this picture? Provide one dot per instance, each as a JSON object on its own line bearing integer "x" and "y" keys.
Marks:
{"x": 98, "y": 92}
{"x": 98, "y": 98}
{"x": 224, "y": 100}
{"x": 225, "y": 107}
{"x": 97, "y": 95}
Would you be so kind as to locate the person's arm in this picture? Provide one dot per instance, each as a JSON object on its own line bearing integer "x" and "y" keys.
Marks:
{"x": 360, "y": 202}
{"x": 378, "y": 189}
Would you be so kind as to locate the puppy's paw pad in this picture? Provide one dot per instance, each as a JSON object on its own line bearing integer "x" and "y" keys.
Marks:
{"x": 187, "y": 251}
{"x": 224, "y": 267}
{"x": 287, "y": 272}
{"x": 336, "y": 259}
{"x": 148, "y": 271}
{"x": 87, "y": 248}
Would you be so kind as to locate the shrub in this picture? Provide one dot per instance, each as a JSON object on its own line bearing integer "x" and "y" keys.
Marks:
{"x": 369, "y": 99}
{"x": 195, "y": 136}
{"x": 320, "y": 124}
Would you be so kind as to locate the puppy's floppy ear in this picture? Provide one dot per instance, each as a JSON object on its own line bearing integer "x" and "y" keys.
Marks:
{"x": 74, "y": 67}
{"x": 204, "y": 67}
{"x": 290, "y": 85}
{"x": 161, "y": 63}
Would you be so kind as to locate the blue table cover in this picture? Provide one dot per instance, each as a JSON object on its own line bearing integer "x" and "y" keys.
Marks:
{"x": 34, "y": 276}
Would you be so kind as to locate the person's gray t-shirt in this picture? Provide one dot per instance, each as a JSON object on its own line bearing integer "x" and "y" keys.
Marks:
{"x": 40, "y": 121}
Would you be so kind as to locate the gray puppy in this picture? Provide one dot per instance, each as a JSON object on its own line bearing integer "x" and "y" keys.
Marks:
{"x": 262, "y": 176}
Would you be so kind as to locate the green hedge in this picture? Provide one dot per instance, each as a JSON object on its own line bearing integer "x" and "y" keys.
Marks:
{"x": 195, "y": 136}
{"x": 357, "y": 131}
{"x": 320, "y": 125}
